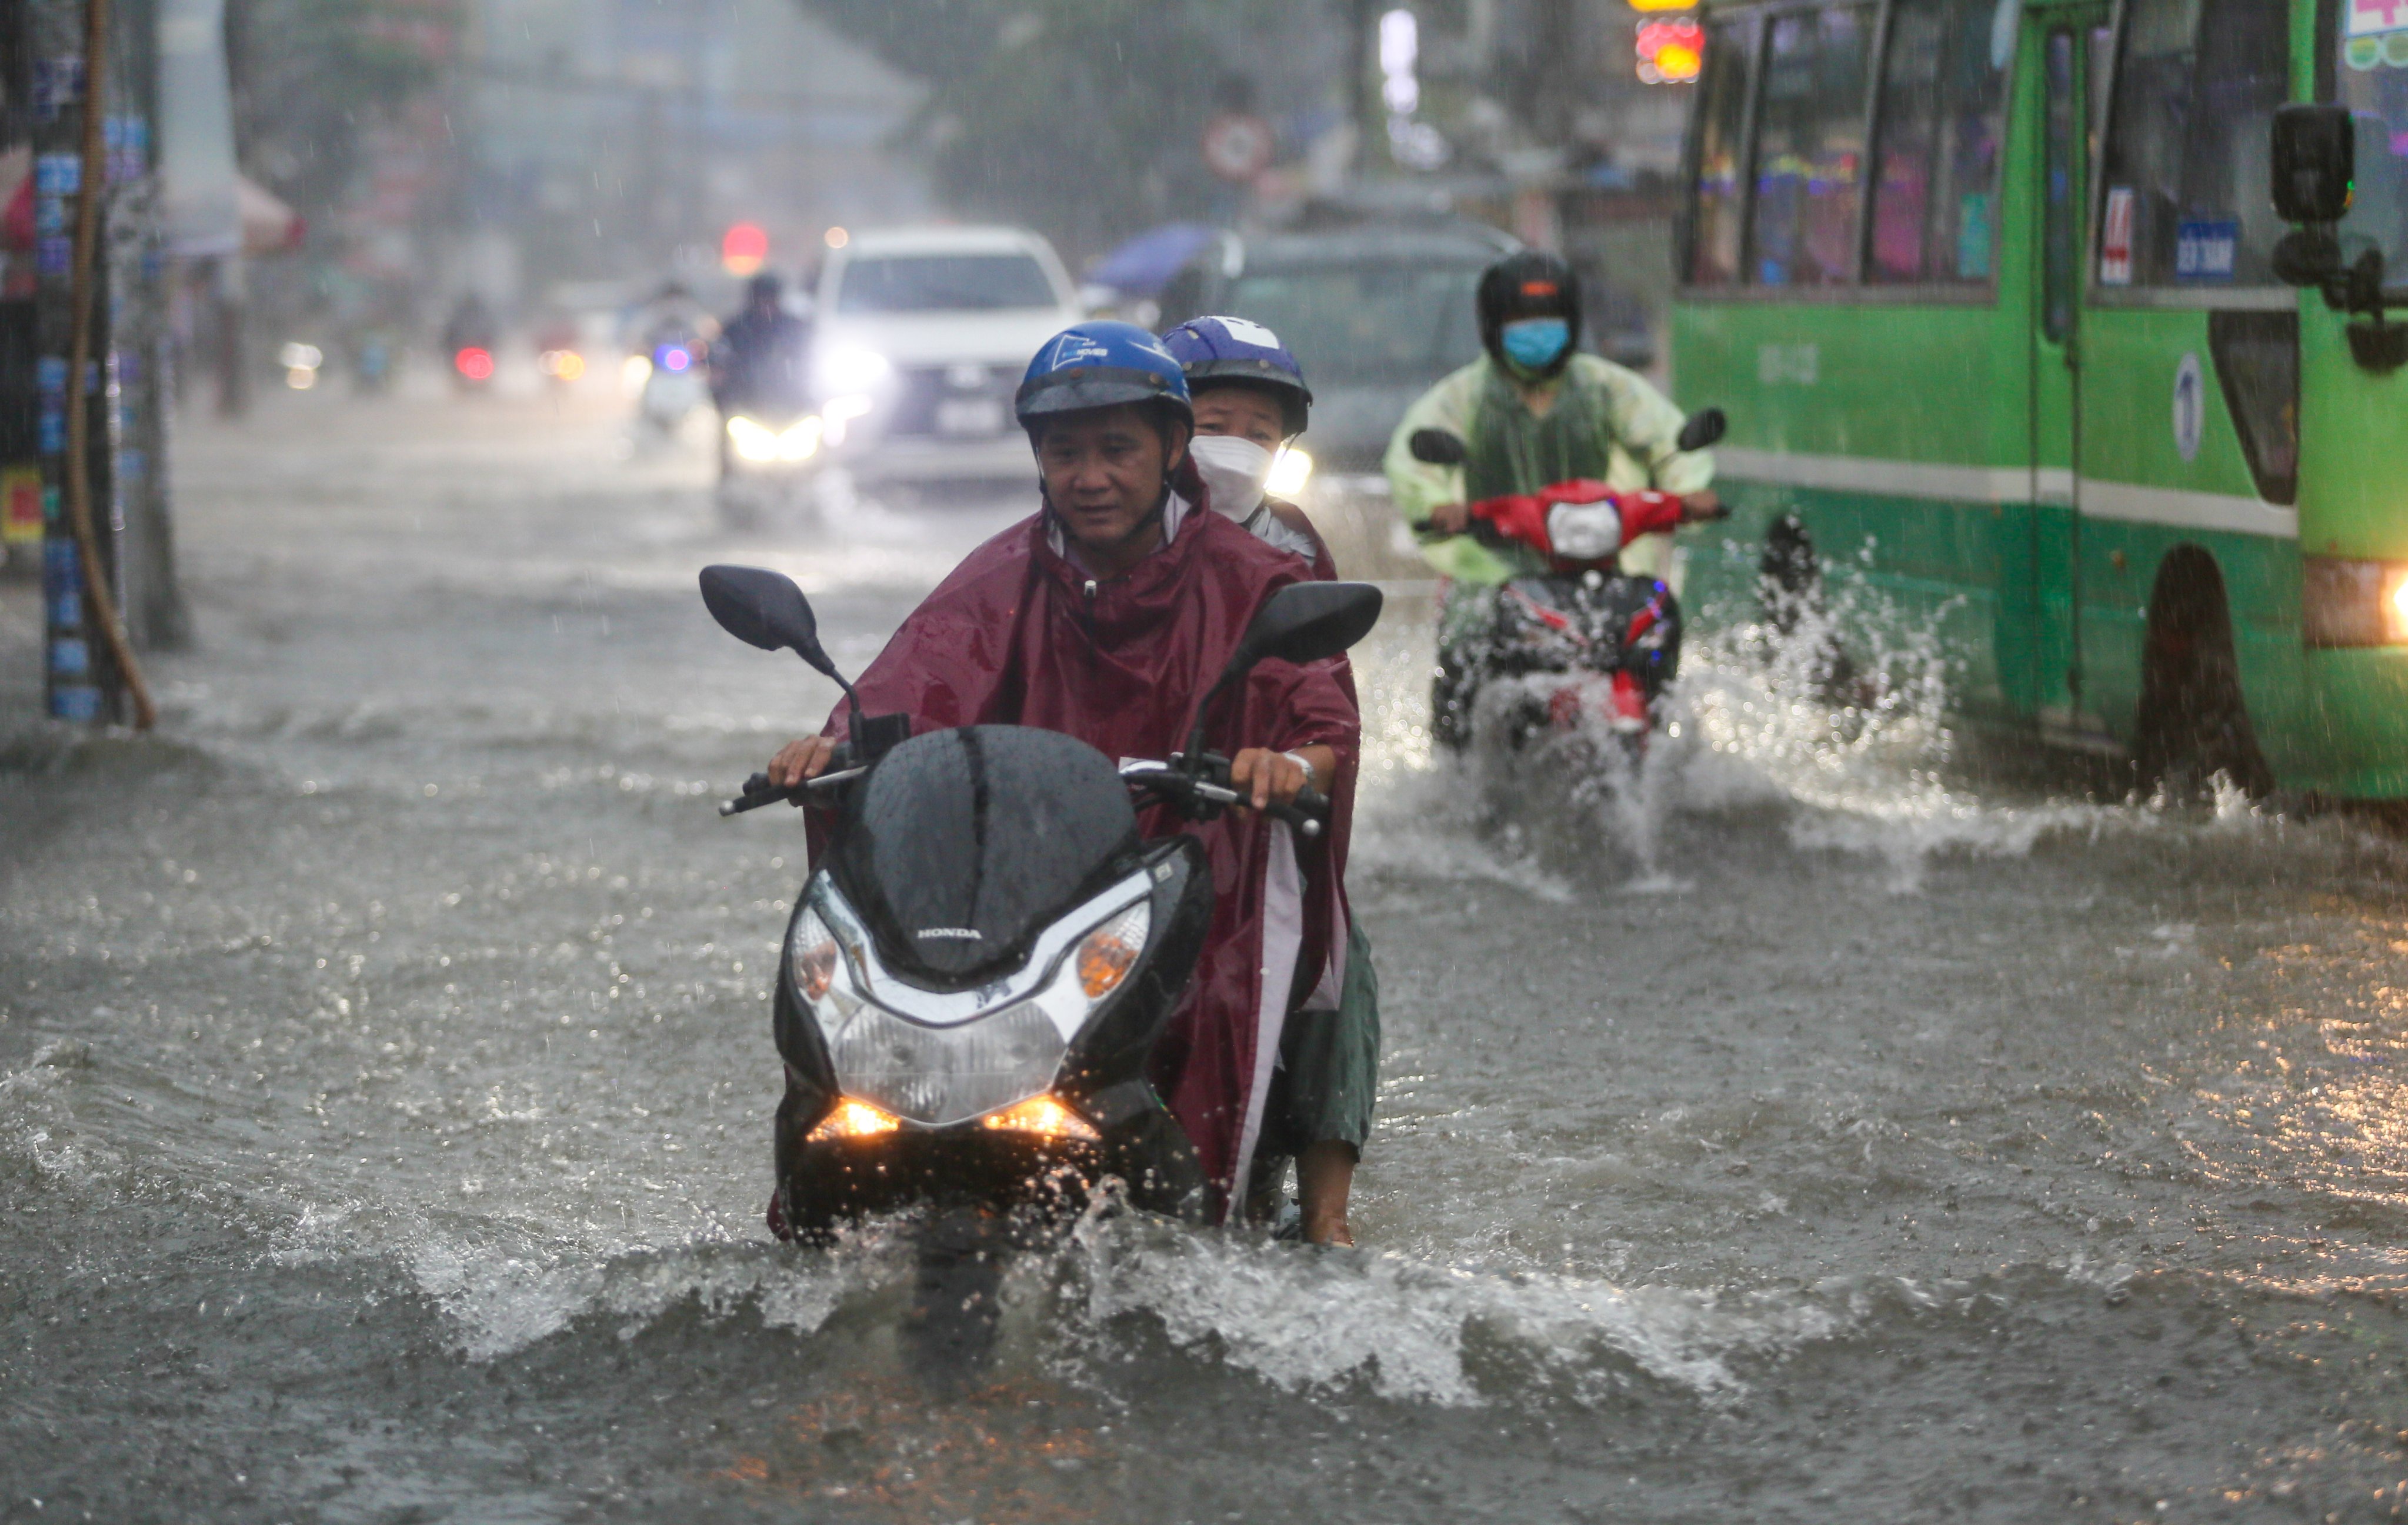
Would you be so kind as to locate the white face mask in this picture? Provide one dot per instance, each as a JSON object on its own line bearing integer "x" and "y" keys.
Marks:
{"x": 1234, "y": 471}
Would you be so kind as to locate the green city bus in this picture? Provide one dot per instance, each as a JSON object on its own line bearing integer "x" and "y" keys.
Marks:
{"x": 1988, "y": 289}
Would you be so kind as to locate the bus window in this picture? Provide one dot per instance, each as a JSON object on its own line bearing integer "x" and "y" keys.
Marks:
{"x": 2373, "y": 83}
{"x": 1722, "y": 126}
{"x": 2059, "y": 248}
{"x": 2186, "y": 155}
{"x": 1809, "y": 144}
{"x": 1936, "y": 171}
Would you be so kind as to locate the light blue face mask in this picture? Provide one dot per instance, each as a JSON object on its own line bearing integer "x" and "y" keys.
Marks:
{"x": 1534, "y": 343}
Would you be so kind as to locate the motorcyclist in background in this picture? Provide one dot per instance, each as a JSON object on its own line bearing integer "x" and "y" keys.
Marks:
{"x": 1251, "y": 400}
{"x": 1533, "y": 410}
{"x": 757, "y": 360}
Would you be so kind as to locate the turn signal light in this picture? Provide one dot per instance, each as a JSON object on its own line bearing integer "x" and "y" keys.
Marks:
{"x": 1045, "y": 1116}
{"x": 854, "y": 1120}
{"x": 1109, "y": 952}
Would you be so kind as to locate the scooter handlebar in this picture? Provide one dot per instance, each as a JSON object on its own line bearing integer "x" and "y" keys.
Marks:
{"x": 759, "y": 791}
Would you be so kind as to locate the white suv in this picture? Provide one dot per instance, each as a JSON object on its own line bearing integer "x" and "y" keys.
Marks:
{"x": 922, "y": 337}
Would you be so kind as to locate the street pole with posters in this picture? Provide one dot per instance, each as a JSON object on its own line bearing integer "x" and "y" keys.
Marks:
{"x": 89, "y": 668}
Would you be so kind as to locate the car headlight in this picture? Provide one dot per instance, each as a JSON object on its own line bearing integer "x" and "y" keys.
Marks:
{"x": 1290, "y": 471}
{"x": 751, "y": 440}
{"x": 2354, "y": 604}
{"x": 852, "y": 368}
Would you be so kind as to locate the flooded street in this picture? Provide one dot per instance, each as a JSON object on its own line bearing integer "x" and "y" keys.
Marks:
{"x": 385, "y": 1082}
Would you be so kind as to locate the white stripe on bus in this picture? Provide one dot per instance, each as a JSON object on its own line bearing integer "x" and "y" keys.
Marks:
{"x": 2118, "y": 500}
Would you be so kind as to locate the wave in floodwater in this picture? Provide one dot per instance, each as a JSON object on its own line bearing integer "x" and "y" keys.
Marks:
{"x": 1837, "y": 715}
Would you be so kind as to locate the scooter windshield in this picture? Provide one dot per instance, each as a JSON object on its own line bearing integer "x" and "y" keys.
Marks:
{"x": 962, "y": 845}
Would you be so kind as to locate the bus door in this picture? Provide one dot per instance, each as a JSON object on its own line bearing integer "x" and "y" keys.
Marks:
{"x": 2072, "y": 45}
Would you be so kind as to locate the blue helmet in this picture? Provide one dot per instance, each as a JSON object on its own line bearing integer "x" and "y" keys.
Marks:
{"x": 1099, "y": 364}
{"x": 1226, "y": 351}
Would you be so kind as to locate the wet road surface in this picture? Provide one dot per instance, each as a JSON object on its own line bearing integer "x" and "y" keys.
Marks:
{"x": 1801, "y": 1132}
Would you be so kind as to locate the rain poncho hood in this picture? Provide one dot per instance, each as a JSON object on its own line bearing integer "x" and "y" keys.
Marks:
{"x": 1021, "y": 635}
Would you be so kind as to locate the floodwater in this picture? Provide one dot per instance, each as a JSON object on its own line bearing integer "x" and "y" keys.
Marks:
{"x": 1806, "y": 1130}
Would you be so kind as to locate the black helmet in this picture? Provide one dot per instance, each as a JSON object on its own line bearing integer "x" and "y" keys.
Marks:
{"x": 764, "y": 287}
{"x": 1530, "y": 284}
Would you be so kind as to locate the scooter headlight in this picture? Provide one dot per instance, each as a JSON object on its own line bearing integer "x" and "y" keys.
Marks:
{"x": 751, "y": 440}
{"x": 943, "y": 1075}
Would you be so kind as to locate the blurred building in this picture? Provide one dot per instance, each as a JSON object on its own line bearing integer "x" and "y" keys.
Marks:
{"x": 617, "y": 139}
{"x": 1560, "y": 120}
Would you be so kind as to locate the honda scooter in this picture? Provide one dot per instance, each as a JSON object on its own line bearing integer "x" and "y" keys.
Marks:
{"x": 988, "y": 948}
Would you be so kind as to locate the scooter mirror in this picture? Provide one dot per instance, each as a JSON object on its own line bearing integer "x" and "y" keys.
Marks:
{"x": 1436, "y": 447}
{"x": 1704, "y": 427}
{"x": 1305, "y": 622}
{"x": 764, "y": 609}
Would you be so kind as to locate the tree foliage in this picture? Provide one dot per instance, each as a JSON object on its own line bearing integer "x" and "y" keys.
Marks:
{"x": 1081, "y": 117}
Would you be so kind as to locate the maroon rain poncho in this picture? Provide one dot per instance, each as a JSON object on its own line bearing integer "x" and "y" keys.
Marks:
{"x": 1021, "y": 635}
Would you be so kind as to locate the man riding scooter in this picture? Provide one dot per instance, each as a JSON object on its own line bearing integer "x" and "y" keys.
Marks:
{"x": 756, "y": 370}
{"x": 1532, "y": 411}
{"x": 1107, "y": 616}
{"x": 1250, "y": 402}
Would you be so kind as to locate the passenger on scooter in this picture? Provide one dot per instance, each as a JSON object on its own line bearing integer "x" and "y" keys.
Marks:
{"x": 1533, "y": 410}
{"x": 1107, "y": 615}
{"x": 1251, "y": 400}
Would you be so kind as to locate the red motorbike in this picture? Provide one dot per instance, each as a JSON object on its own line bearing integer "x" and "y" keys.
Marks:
{"x": 1612, "y": 640}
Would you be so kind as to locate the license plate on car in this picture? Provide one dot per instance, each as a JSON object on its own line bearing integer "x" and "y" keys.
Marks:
{"x": 970, "y": 415}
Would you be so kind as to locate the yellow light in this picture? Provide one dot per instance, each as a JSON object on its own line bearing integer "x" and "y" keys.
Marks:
{"x": 2395, "y": 604}
{"x": 837, "y": 411}
{"x": 1663, "y": 5}
{"x": 755, "y": 442}
{"x": 300, "y": 378}
{"x": 1289, "y": 473}
{"x": 837, "y": 238}
{"x": 854, "y": 1120}
{"x": 801, "y": 440}
{"x": 1045, "y": 1116}
{"x": 561, "y": 365}
{"x": 1108, "y": 953}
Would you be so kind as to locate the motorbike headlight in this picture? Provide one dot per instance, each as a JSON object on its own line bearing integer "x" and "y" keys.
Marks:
{"x": 752, "y": 441}
{"x": 943, "y": 1075}
{"x": 1584, "y": 531}
{"x": 1107, "y": 954}
{"x": 2354, "y": 604}
{"x": 1290, "y": 471}
{"x": 801, "y": 440}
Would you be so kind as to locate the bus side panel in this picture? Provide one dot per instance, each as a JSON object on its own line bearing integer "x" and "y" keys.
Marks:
{"x": 2139, "y": 412}
{"x": 1887, "y": 385}
{"x": 2354, "y": 503}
